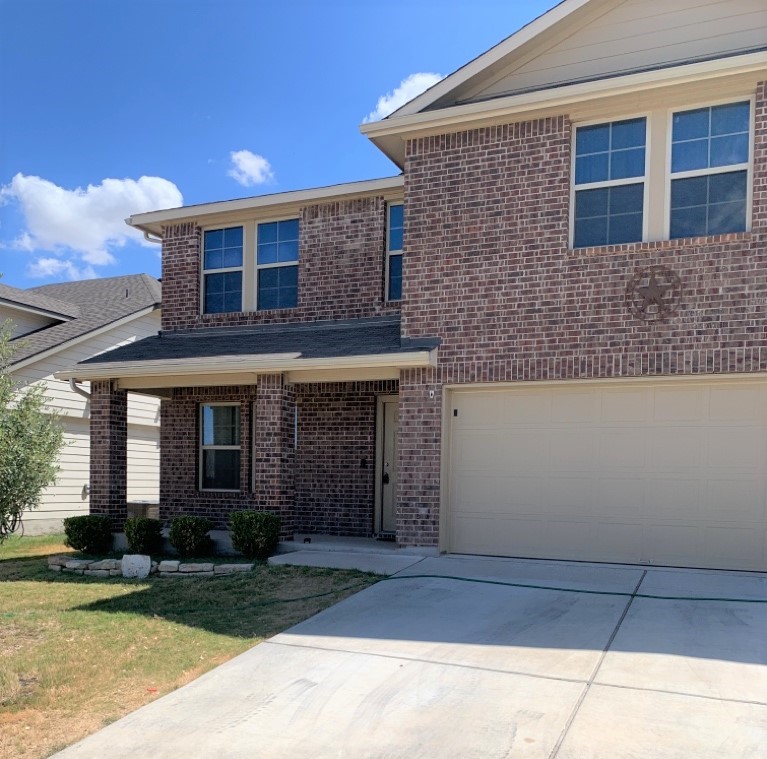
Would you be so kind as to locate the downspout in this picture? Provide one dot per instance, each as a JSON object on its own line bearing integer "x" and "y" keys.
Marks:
{"x": 148, "y": 237}
{"x": 77, "y": 389}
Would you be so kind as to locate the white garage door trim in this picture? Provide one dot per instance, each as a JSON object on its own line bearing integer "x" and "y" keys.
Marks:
{"x": 731, "y": 395}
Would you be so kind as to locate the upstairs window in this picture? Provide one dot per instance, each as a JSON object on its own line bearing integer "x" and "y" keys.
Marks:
{"x": 609, "y": 183}
{"x": 220, "y": 446}
{"x": 709, "y": 170}
{"x": 394, "y": 237}
{"x": 277, "y": 265}
{"x": 222, "y": 270}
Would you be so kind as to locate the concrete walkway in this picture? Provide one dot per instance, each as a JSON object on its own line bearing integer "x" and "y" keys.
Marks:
{"x": 441, "y": 667}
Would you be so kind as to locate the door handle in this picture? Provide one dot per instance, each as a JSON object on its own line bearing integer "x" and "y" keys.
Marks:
{"x": 385, "y": 478}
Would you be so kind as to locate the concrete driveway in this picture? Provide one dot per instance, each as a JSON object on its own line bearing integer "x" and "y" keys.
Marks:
{"x": 440, "y": 667}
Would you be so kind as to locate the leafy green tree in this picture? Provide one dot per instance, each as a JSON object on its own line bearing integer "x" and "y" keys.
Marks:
{"x": 30, "y": 440}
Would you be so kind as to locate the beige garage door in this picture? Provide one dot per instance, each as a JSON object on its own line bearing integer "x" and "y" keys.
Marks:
{"x": 660, "y": 473}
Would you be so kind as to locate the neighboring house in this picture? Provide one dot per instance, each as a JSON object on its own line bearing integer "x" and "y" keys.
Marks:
{"x": 54, "y": 327}
{"x": 545, "y": 338}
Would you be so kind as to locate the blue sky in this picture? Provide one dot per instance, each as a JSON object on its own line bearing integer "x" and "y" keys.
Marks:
{"x": 112, "y": 107}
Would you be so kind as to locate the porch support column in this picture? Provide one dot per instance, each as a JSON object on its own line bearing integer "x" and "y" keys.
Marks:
{"x": 109, "y": 452}
{"x": 420, "y": 436}
{"x": 274, "y": 452}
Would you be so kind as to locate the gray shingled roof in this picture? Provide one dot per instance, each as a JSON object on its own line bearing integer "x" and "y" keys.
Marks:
{"x": 95, "y": 303}
{"x": 328, "y": 339}
{"x": 30, "y": 299}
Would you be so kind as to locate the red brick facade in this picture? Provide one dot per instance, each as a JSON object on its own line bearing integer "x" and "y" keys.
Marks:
{"x": 322, "y": 486}
{"x": 335, "y": 464}
{"x": 109, "y": 451}
{"x": 340, "y": 271}
{"x": 487, "y": 267}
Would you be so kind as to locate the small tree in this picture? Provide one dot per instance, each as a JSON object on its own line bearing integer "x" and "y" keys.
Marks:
{"x": 30, "y": 440}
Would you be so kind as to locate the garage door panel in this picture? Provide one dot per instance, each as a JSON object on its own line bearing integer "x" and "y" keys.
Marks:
{"x": 730, "y": 403}
{"x": 619, "y": 497}
{"x": 743, "y": 499}
{"x": 673, "y": 543}
{"x": 623, "y": 448}
{"x": 526, "y": 408}
{"x": 574, "y": 407}
{"x": 620, "y": 406}
{"x": 736, "y": 448}
{"x": 520, "y": 537}
{"x": 522, "y": 450}
{"x": 477, "y": 450}
{"x": 733, "y": 546}
{"x": 650, "y": 472}
{"x": 574, "y": 450}
{"x": 674, "y": 498}
{"x": 678, "y": 404}
{"x": 676, "y": 448}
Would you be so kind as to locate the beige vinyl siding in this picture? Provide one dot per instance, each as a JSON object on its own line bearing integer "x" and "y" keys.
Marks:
{"x": 24, "y": 322}
{"x": 67, "y": 496}
{"x": 636, "y": 34}
{"x": 141, "y": 409}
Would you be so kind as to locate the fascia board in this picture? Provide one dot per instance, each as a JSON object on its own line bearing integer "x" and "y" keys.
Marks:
{"x": 257, "y": 364}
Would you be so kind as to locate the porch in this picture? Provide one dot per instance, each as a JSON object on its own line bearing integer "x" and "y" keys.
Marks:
{"x": 316, "y": 442}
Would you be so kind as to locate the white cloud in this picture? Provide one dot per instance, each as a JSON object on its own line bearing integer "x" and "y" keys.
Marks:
{"x": 57, "y": 268}
{"x": 249, "y": 168}
{"x": 409, "y": 88}
{"x": 83, "y": 227}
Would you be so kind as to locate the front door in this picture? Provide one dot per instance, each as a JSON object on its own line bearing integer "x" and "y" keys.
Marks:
{"x": 386, "y": 464}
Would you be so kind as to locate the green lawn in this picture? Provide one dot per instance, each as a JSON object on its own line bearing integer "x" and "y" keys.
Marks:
{"x": 76, "y": 652}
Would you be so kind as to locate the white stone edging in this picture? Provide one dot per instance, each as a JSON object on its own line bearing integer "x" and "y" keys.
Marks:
{"x": 136, "y": 565}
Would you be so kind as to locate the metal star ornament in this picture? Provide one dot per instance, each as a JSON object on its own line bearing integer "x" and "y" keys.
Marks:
{"x": 653, "y": 294}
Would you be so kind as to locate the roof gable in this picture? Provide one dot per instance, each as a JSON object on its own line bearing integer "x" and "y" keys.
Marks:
{"x": 98, "y": 303}
{"x": 584, "y": 40}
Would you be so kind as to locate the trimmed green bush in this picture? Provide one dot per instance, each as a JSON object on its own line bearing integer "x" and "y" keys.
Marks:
{"x": 255, "y": 533}
{"x": 90, "y": 533}
{"x": 189, "y": 535}
{"x": 144, "y": 535}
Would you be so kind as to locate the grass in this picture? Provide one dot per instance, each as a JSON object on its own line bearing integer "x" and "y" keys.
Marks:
{"x": 77, "y": 653}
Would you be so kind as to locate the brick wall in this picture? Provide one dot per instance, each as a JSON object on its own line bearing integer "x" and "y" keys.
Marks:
{"x": 340, "y": 276}
{"x": 487, "y": 268}
{"x": 108, "y": 452}
{"x": 320, "y": 487}
{"x": 335, "y": 463}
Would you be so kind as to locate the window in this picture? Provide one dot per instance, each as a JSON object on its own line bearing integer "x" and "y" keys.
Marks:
{"x": 222, "y": 270}
{"x": 394, "y": 231}
{"x": 609, "y": 182}
{"x": 709, "y": 170}
{"x": 277, "y": 265}
{"x": 666, "y": 175}
{"x": 220, "y": 446}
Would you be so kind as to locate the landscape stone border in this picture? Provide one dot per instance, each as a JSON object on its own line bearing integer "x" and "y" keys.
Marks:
{"x": 128, "y": 567}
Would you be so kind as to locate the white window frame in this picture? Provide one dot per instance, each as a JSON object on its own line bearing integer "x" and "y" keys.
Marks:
{"x": 748, "y": 167}
{"x": 280, "y": 264}
{"x": 203, "y": 447}
{"x": 391, "y": 253}
{"x": 204, "y": 272}
{"x": 644, "y": 178}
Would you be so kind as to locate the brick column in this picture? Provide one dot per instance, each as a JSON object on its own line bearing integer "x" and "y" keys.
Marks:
{"x": 420, "y": 433}
{"x": 273, "y": 449}
{"x": 109, "y": 452}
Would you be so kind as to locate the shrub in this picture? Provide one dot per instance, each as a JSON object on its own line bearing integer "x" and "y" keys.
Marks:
{"x": 90, "y": 533}
{"x": 255, "y": 533}
{"x": 144, "y": 535}
{"x": 189, "y": 535}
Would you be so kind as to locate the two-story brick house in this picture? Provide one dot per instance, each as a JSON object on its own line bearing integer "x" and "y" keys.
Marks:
{"x": 545, "y": 338}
